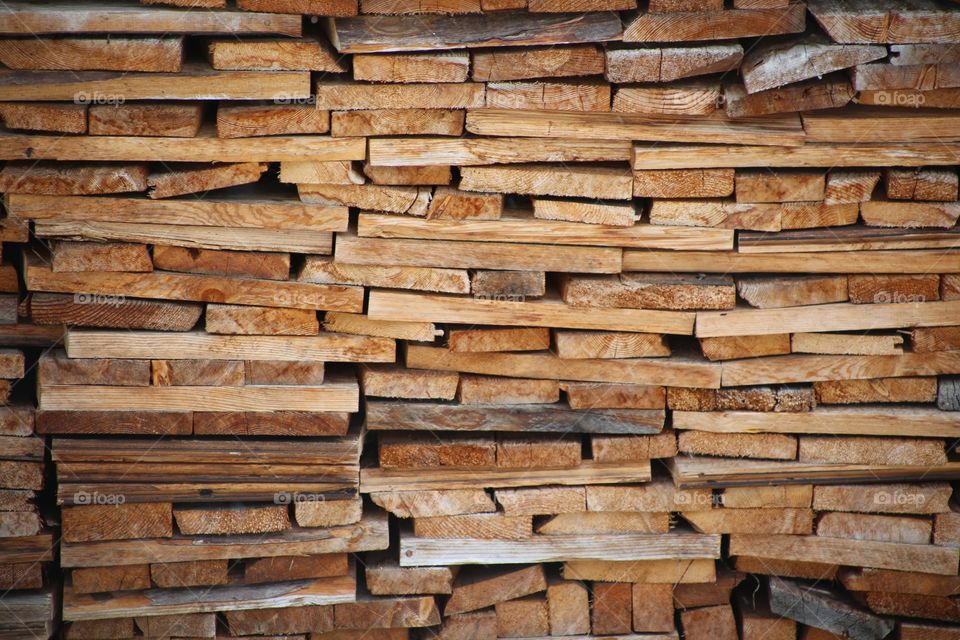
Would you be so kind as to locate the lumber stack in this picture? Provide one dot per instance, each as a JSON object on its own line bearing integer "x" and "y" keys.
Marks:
{"x": 27, "y": 524}
{"x": 476, "y": 319}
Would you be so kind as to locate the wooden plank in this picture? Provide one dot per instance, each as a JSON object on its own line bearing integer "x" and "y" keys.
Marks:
{"x": 415, "y": 480}
{"x": 520, "y": 228}
{"x": 386, "y": 415}
{"x": 670, "y": 571}
{"x": 783, "y": 130}
{"x": 653, "y": 64}
{"x": 277, "y": 119}
{"x": 264, "y": 54}
{"x": 825, "y": 317}
{"x": 195, "y": 287}
{"x": 485, "y": 151}
{"x": 736, "y": 154}
{"x": 388, "y": 305}
{"x": 271, "y": 266}
{"x": 526, "y": 63}
{"x": 777, "y": 64}
{"x": 367, "y": 535}
{"x": 206, "y": 147}
{"x": 328, "y": 397}
{"x": 146, "y": 119}
{"x": 430, "y": 551}
{"x": 823, "y": 608}
{"x": 276, "y": 213}
{"x": 367, "y": 34}
{"x": 345, "y": 95}
{"x": 324, "y": 591}
{"x": 710, "y": 25}
{"x": 675, "y": 371}
{"x": 85, "y": 310}
{"x": 45, "y": 116}
{"x": 887, "y": 22}
{"x": 104, "y": 54}
{"x": 358, "y": 324}
{"x": 194, "y": 82}
{"x": 449, "y": 254}
{"x": 25, "y": 18}
{"x": 59, "y": 180}
{"x": 397, "y": 122}
{"x": 861, "y": 553}
{"x": 155, "y": 345}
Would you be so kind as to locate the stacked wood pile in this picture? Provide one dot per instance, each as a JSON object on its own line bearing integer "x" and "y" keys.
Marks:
{"x": 476, "y": 319}
{"x": 27, "y": 541}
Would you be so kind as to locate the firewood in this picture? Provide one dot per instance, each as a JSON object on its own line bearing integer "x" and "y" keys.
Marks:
{"x": 146, "y": 119}
{"x": 323, "y": 270}
{"x": 552, "y": 96}
{"x": 104, "y": 54}
{"x": 82, "y": 256}
{"x": 88, "y": 179}
{"x": 620, "y": 215}
{"x": 270, "y": 266}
